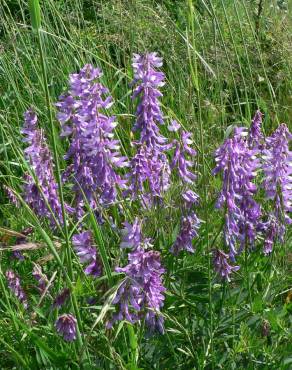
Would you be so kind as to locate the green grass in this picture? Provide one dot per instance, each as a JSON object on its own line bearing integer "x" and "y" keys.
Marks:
{"x": 222, "y": 62}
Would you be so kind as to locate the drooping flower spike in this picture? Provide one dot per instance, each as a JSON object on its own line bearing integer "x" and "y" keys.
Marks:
{"x": 180, "y": 159}
{"x": 278, "y": 169}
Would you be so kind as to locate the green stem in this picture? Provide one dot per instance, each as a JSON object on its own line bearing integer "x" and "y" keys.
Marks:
{"x": 196, "y": 84}
{"x": 133, "y": 346}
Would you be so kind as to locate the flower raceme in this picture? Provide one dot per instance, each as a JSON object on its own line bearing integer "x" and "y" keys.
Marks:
{"x": 15, "y": 287}
{"x": 150, "y": 163}
{"x": 140, "y": 295}
{"x": 93, "y": 152}
{"x": 41, "y": 192}
{"x": 277, "y": 168}
{"x": 238, "y": 165}
{"x": 148, "y": 81}
{"x": 189, "y": 226}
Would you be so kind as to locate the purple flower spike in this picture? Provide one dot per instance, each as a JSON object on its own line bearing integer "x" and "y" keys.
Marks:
{"x": 149, "y": 167}
{"x": 45, "y": 191}
{"x": 221, "y": 264}
{"x": 189, "y": 226}
{"x": 140, "y": 295}
{"x": 255, "y": 136}
{"x": 148, "y": 111}
{"x": 278, "y": 168}
{"x": 238, "y": 164}
{"x": 150, "y": 172}
{"x": 180, "y": 158}
{"x": 66, "y": 327}
{"x": 15, "y": 286}
{"x": 83, "y": 245}
{"x": 93, "y": 151}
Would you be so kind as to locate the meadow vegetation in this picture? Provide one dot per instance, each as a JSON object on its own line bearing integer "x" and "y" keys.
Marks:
{"x": 77, "y": 249}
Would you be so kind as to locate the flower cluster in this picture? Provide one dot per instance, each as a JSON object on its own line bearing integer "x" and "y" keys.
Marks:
{"x": 15, "y": 286}
{"x": 66, "y": 327}
{"x": 277, "y": 167}
{"x": 221, "y": 265}
{"x": 93, "y": 152}
{"x": 238, "y": 164}
{"x": 87, "y": 253}
{"x": 148, "y": 114}
{"x": 190, "y": 223}
{"x": 40, "y": 190}
{"x": 150, "y": 170}
{"x": 180, "y": 158}
{"x": 255, "y": 135}
{"x": 140, "y": 295}
{"x": 189, "y": 226}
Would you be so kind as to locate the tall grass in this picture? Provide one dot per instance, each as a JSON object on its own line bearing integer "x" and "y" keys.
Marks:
{"x": 222, "y": 62}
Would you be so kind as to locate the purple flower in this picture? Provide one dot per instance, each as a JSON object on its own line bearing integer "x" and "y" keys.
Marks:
{"x": 190, "y": 198}
{"x": 41, "y": 192}
{"x": 66, "y": 327}
{"x": 83, "y": 245}
{"x": 132, "y": 235}
{"x": 93, "y": 152}
{"x": 255, "y": 135}
{"x": 277, "y": 168}
{"x": 15, "y": 286}
{"x": 148, "y": 114}
{"x": 149, "y": 170}
{"x": 174, "y": 126}
{"x": 140, "y": 295}
{"x": 221, "y": 264}
{"x": 184, "y": 241}
{"x": 238, "y": 164}
{"x": 61, "y": 298}
{"x": 12, "y": 197}
{"x": 40, "y": 277}
{"x": 180, "y": 158}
